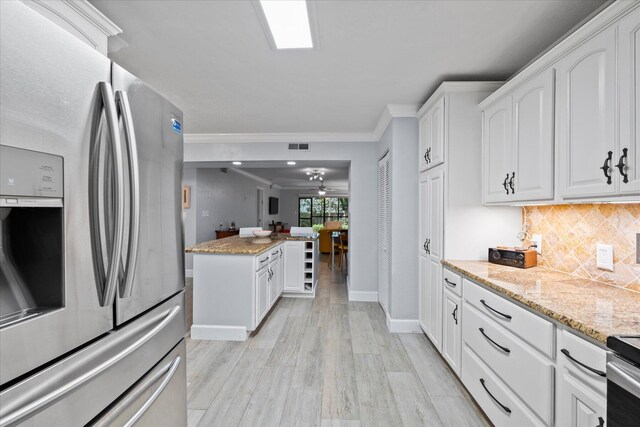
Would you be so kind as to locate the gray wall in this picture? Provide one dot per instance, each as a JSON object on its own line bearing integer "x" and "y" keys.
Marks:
{"x": 189, "y": 216}
{"x": 228, "y": 197}
{"x": 401, "y": 139}
{"x": 363, "y": 157}
{"x": 289, "y": 207}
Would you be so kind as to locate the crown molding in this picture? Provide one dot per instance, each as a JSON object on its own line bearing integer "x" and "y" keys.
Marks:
{"x": 390, "y": 112}
{"x": 93, "y": 16}
{"x": 252, "y": 176}
{"x": 450, "y": 87}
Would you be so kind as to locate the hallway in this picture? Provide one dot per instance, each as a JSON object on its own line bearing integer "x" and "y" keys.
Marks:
{"x": 324, "y": 361}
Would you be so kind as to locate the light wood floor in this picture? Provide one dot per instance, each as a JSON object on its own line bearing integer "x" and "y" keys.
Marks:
{"x": 324, "y": 362}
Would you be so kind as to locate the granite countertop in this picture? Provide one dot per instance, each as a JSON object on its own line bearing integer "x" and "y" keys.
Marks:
{"x": 596, "y": 309}
{"x": 236, "y": 245}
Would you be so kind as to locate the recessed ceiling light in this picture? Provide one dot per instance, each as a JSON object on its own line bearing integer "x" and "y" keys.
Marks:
{"x": 289, "y": 23}
{"x": 237, "y": 163}
{"x": 291, "y": 163}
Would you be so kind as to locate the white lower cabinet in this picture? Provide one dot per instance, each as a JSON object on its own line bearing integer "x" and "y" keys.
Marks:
{"x": 451, "y": 329}
{"x": 579, "y": 405}
{"x": 293, "y": 266}
{"x": 262, "y": 293}
{"x": 494, "y": 397}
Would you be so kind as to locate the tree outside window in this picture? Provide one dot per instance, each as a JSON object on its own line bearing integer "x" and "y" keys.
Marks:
{"x": 318, "y": 210}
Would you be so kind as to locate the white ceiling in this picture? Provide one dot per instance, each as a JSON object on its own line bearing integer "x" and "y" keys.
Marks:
{"x": 290, "y": 177}
{"x": 212, "y": 59}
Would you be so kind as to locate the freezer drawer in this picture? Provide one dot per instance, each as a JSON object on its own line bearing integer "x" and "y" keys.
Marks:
{"x": 75, "y": 390}
{"x": 158, "y": 399}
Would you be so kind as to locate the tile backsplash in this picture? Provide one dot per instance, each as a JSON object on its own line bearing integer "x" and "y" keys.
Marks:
{"x": 570, "y": 234}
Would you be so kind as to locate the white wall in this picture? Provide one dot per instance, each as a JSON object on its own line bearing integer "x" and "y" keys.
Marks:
{"x": 363, "y": 157}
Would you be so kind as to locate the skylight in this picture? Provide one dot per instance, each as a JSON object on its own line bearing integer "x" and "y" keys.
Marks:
{"x": 288, "y": 21}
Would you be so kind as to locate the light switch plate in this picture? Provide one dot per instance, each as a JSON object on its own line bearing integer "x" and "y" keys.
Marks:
{"x": 536, "y": 239}
{"x": 205, "y": 212}
{"x": 604, "y": 257}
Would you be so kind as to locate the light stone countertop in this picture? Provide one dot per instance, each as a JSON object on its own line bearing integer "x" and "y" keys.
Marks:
{"x": 596, "y": 309}
{"x": 236, "y": 245}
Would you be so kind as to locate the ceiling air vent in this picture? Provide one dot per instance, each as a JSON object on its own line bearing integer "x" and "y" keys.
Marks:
{"x": 293, "y": 146}
{"x": 303, "y": 146}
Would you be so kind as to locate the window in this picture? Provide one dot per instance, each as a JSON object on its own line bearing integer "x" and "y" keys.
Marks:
{"x": 318, "y": 210}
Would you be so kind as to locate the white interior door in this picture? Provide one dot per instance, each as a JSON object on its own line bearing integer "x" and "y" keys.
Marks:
{"x": 384, "y": 229}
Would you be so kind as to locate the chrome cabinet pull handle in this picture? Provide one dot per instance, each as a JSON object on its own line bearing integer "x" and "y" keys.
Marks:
{"x": 426, "y": 249}
{"x": 589, "y": 368}
{"x": 622, "y": 166}
{"x": 504, "y": 408}
{"x": 454, "y": 314}
{"x": 506, "y": 316}
{"x": 450, "y": 283}
{"x": 606, "y": 167}
{"x": 501, "y": 347}
{"x": 134, "y": 194}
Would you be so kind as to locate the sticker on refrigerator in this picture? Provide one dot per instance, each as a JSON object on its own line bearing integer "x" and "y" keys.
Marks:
{"x": 176, "y": 126}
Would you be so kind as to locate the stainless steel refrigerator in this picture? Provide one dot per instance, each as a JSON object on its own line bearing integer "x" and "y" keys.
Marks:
{"x": 92, "y": 317}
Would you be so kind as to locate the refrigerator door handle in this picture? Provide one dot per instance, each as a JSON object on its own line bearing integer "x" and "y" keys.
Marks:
{"x": 37, "y": 404}
{"x": 134, "y": 186}
{"x": 109, "y": 281}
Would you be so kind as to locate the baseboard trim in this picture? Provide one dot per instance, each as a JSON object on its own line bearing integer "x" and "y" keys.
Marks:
{"x": 363, "y": 296}
{"x": 219, "y": 333}
{"x": 188, "y": 273}
{"x": 403, "y": 326}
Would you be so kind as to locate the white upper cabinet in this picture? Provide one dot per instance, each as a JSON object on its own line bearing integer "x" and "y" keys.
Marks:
{"x": 518, "y": 143}
{"x": 628, "y": 163}
{"x": 586, "y": 118}
{"x": 432, "y": 135}
{"x": 497, "y": 149}
{"x": 579, "y": 101}
{"x": 533, "y": 138}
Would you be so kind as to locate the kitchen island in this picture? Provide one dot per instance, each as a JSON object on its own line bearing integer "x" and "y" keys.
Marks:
{"x": 236, "y": 281}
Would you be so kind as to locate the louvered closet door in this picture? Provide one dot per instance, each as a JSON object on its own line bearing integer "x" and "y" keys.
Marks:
{"x": 384, "y": 229}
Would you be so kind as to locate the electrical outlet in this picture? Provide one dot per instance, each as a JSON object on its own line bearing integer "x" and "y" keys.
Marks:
{"x": 205, "y": 212}
{"x": 536, "y": 239}
{"x": 604, "y": 257}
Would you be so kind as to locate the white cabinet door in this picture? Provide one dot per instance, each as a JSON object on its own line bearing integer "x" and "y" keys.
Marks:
{"x": 423, "y": 129}
{"x": 281, "y": 272}
{"x": 274, "y": 279}
{"x": 262, "y": 294}
{"x": 451, "y": 330}
{"x": 436, "y": 134}
{"x": 434, "y": 230}
{"x": 423, "y": 221}
{"x": 629, "y": 92}
{"x": 586, "y": 96}
{"x": 533, "y": 160}
{"x": 423, "y": 309}
{"x": 579, "y": 405}
{"x": 497, "y": 165}
{"x": 293, "y": 266}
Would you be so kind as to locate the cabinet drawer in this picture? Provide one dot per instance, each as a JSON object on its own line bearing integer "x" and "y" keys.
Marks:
{"x": 262, "y": 261}
{"x": 453, "y": 282}
{"x": 499, "y": 403}
{"x": 518, "y": 365}
{"x": 578, "y": 355}
{"x": 533, "y": 329}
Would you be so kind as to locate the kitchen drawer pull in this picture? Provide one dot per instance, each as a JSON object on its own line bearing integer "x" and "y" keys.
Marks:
{"x": 621, "y": 166}
{"x": 450, "y": 283}
{"x": 506, "y": 316}
{"x": 607, "y": 166}
{"x": 264, "y": 260}
{"x": 595, "y": 371}
{"x": 504, "y": 408}
{"x": 503, "y": 348}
